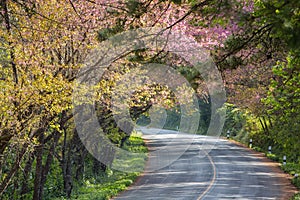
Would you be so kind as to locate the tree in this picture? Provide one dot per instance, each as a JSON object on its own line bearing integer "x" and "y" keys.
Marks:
{"x": 261, "y": 69}
{"x": 43, "y": 44}
{"x": 283, "y": 103}
{"x": 42, "y": 51}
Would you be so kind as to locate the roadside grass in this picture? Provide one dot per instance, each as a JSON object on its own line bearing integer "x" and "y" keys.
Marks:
{"x": 294, "y": 170}
{"x": 290, "y": 168}
{"x": 135, "y": 144}
{"x": 103, "y": 191}
{"x": 113, "y": 182}
{"x": 296, "y": 197}
{"x": 273, "y": 157}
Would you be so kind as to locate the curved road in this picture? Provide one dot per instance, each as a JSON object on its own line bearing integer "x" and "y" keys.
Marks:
{"x": 201, "y": 167}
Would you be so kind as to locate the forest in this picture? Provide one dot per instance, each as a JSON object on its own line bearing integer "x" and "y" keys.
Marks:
{"x": 254, "y": 46}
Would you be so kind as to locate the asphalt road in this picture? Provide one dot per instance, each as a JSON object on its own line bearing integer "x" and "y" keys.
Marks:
{"x": 182, "y": 166}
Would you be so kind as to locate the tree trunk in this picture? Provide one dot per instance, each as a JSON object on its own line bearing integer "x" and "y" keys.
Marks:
{"x": 66, "y": 165}
{"x": 26, "y": 174}
{"x": 79, "y": 160}
{"x": 46, "y": 167}
{"x": 5, "y": 137}
{"x": 5, "y": 15}
{"x": 266, "y": 125}
{"x": 38, "y": 169}
{"x": 262, "y": 125}
{"x": 13, "y": 171}
{"x": 79, "y": 156}
{"x": 68, "y": 184}
{"x": 4, "y": 184}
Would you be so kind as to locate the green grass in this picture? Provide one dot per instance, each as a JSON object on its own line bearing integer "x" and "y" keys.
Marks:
{"x": 135, "y": 161}
{"x": 273, "y": 157}
{"x": 113, "y": 182}
{"x": 293, "y": 168}
{"x": 296, "y": 197}
{"x": 135, "y": 144}
{"x": 103, "y": 191}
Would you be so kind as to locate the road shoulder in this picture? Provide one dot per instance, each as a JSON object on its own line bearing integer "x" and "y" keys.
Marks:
{"x": 289, "y": 188}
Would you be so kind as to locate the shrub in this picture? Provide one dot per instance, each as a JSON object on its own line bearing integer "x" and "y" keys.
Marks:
{"x": 296, "y": 197}
{"x": 272, "y": 157}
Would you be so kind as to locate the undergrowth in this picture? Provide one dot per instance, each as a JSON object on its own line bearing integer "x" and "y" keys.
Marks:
{"x": 113, "y": 182}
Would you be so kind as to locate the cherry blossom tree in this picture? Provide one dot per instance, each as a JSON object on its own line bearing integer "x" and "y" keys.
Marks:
{"x": 45, "y": 43}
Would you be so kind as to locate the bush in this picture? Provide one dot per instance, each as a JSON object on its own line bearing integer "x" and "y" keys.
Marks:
{"x": 272, "y": 157}
{"x": 296, "y": 197}
{"x": 291, "y": 168}
{"x": 296, "y": 182}
{"x": 257, "y": 149}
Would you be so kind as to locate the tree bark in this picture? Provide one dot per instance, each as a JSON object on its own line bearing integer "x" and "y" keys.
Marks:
{"x": 5, "y": 137}
{"x": 13, "y": 170}
{"x": 66, "y": 165}
{"x": 38, "y": 169}
{"x": 25, "y": 189}
{"x": 8, "y": 29}
{"x": 46, "y": 167}
{"x": 4, "y": 184}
